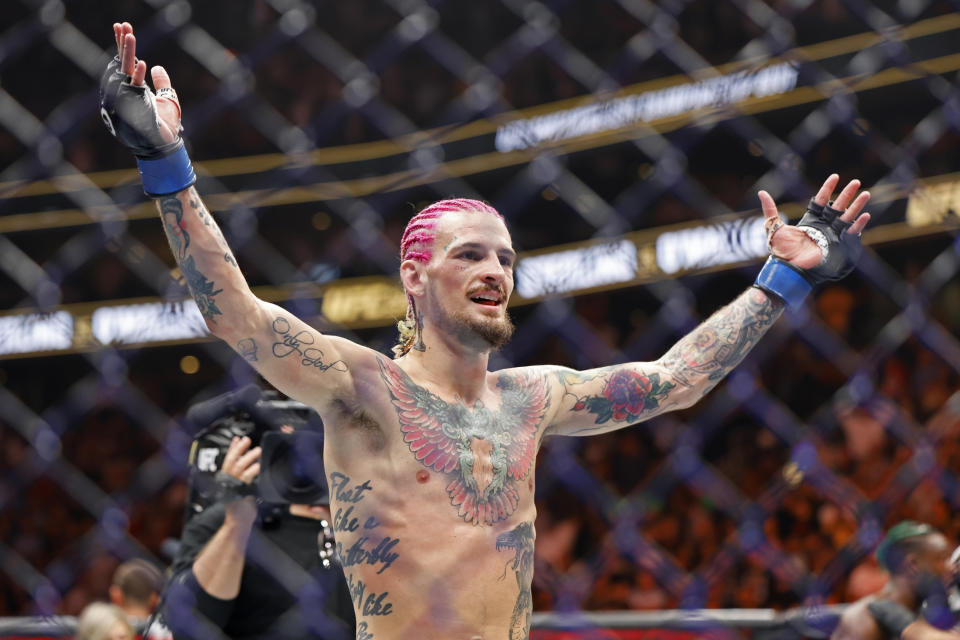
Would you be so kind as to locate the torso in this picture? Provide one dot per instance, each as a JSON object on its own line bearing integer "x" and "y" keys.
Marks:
{"x": 432, "y": 502}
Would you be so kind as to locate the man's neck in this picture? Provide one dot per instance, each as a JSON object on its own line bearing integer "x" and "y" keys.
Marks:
{"x": 449, "y": 366}
{"x": 900, "y": 590}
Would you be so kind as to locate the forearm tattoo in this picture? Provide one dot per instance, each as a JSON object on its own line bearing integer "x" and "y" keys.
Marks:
{"x": 202, "y": 288}
{"x": 631, "y": 393}
{"x": 702, "y": 358}
{"x": 171, "y": 212}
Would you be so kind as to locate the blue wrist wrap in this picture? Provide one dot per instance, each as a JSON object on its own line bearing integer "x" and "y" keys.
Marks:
{"x": 168, "y": 175}
{"x": 783, "y": 281}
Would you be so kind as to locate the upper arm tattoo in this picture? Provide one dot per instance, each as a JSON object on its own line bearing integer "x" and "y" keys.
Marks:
{"x": 627, "y": 393}
{"x": 248, "y": 349}
{"x": 300, "y": 343}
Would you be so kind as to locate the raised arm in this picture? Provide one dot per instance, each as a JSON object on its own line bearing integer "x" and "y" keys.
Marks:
{"x": 823, "y": 246}
{"x": 293, "y": 356}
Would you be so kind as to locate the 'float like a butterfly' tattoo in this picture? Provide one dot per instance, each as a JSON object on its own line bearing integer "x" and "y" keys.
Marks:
{"x": 484, "y": 452}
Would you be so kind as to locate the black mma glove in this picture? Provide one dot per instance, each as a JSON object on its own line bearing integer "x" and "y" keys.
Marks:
{"x": 839, "y": 254}
{"x": 892, "y": 616}
{"x": 130, "y": 114}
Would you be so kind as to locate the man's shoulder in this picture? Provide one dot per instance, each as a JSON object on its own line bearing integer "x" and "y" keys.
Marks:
{"x": 856, "y": 621}
{"x": 533, "y": 373}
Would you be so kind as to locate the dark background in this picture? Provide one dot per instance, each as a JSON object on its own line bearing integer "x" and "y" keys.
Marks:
{"x": 772, "y": 492}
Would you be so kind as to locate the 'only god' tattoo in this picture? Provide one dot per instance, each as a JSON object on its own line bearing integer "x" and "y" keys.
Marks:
{"x": 299, "y": 344}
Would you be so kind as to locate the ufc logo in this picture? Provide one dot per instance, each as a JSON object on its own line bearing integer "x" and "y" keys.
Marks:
{"x": 207, "y": 459}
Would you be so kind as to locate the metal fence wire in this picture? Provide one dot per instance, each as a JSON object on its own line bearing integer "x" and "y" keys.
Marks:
{"x": 623, "y": 140}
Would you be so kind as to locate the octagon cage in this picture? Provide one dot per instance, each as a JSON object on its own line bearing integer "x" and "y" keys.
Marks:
{"x": 624, "y": 142}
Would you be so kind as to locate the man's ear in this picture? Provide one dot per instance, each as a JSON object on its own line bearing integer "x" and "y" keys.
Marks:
{"x": 413, "y": 276}
{"x": 911, "y": 565}
{"x": 116, "y": 595}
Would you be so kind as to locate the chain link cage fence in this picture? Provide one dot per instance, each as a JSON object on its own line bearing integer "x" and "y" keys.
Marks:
{"x": 624, "y": 141}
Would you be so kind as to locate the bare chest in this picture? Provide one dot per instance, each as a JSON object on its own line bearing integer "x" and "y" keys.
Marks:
{"x": 481, "y": 454}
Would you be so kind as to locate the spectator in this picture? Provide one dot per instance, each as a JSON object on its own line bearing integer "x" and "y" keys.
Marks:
{"x": 136, "y": 588}
{"x": 916, "y": 557}
{"x": 103, "y": 621}
{"x": 254, "y": 572}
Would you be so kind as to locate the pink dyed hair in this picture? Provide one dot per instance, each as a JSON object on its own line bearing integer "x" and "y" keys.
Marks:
{"x": 416, "y": 244}
{"x": 420, "y": 232}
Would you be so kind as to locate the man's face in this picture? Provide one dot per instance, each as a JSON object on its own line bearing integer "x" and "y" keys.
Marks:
{"x": 470, "y": 279}
{"x": 935, "y": 557}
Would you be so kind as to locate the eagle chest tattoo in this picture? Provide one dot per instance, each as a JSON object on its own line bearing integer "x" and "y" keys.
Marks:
{"x": 485, "y": 453}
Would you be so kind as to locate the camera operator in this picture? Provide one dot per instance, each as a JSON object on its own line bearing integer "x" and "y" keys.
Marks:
{"x": 246, "y": 569}
{"x": 914, "y": 604}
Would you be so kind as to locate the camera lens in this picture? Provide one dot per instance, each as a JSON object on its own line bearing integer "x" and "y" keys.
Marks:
{"x": 292, "y": 468}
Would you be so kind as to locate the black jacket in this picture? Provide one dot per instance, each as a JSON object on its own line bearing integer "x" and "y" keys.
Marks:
{"x": 284, "y": 593}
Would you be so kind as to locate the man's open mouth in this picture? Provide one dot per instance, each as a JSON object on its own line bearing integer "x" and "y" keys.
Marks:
{"x": 487, "y": 299}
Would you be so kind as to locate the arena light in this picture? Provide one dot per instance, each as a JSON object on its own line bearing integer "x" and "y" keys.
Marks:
{"x": 150, "y": 322}
{"x": 368, "y": 302}
{"x": 711, "y": 245}
{"x": 356, "y": 303}
{"x": 933, "y": 203}
{"x": 36, "y": 332}
{"x": 566, "y": 271}
{"x": 617, "y": 113}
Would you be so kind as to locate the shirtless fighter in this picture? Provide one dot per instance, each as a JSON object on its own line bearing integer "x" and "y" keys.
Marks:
{"x": 430, "y": 456}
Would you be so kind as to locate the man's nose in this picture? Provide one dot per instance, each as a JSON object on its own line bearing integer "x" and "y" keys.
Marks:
{"x": 493, "y": 270}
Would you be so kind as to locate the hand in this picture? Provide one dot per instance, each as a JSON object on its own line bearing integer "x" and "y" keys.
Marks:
{"x": 147, "y": 124}
{"x": 791, "y": 244}
{"x": 168, "y": 104}
{"x": 243, "y": 463}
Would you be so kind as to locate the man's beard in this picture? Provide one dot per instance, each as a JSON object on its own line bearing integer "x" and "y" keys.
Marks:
{"x": 479, "y": 333}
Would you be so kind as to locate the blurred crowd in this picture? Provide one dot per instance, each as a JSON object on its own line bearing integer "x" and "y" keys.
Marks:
{"x": 690, "y": 548}
{"x": 866, "y": 453}
{"x": 686, "y": 540}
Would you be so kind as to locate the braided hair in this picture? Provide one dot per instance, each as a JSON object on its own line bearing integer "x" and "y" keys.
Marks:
{"x": 417, "y": 243}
